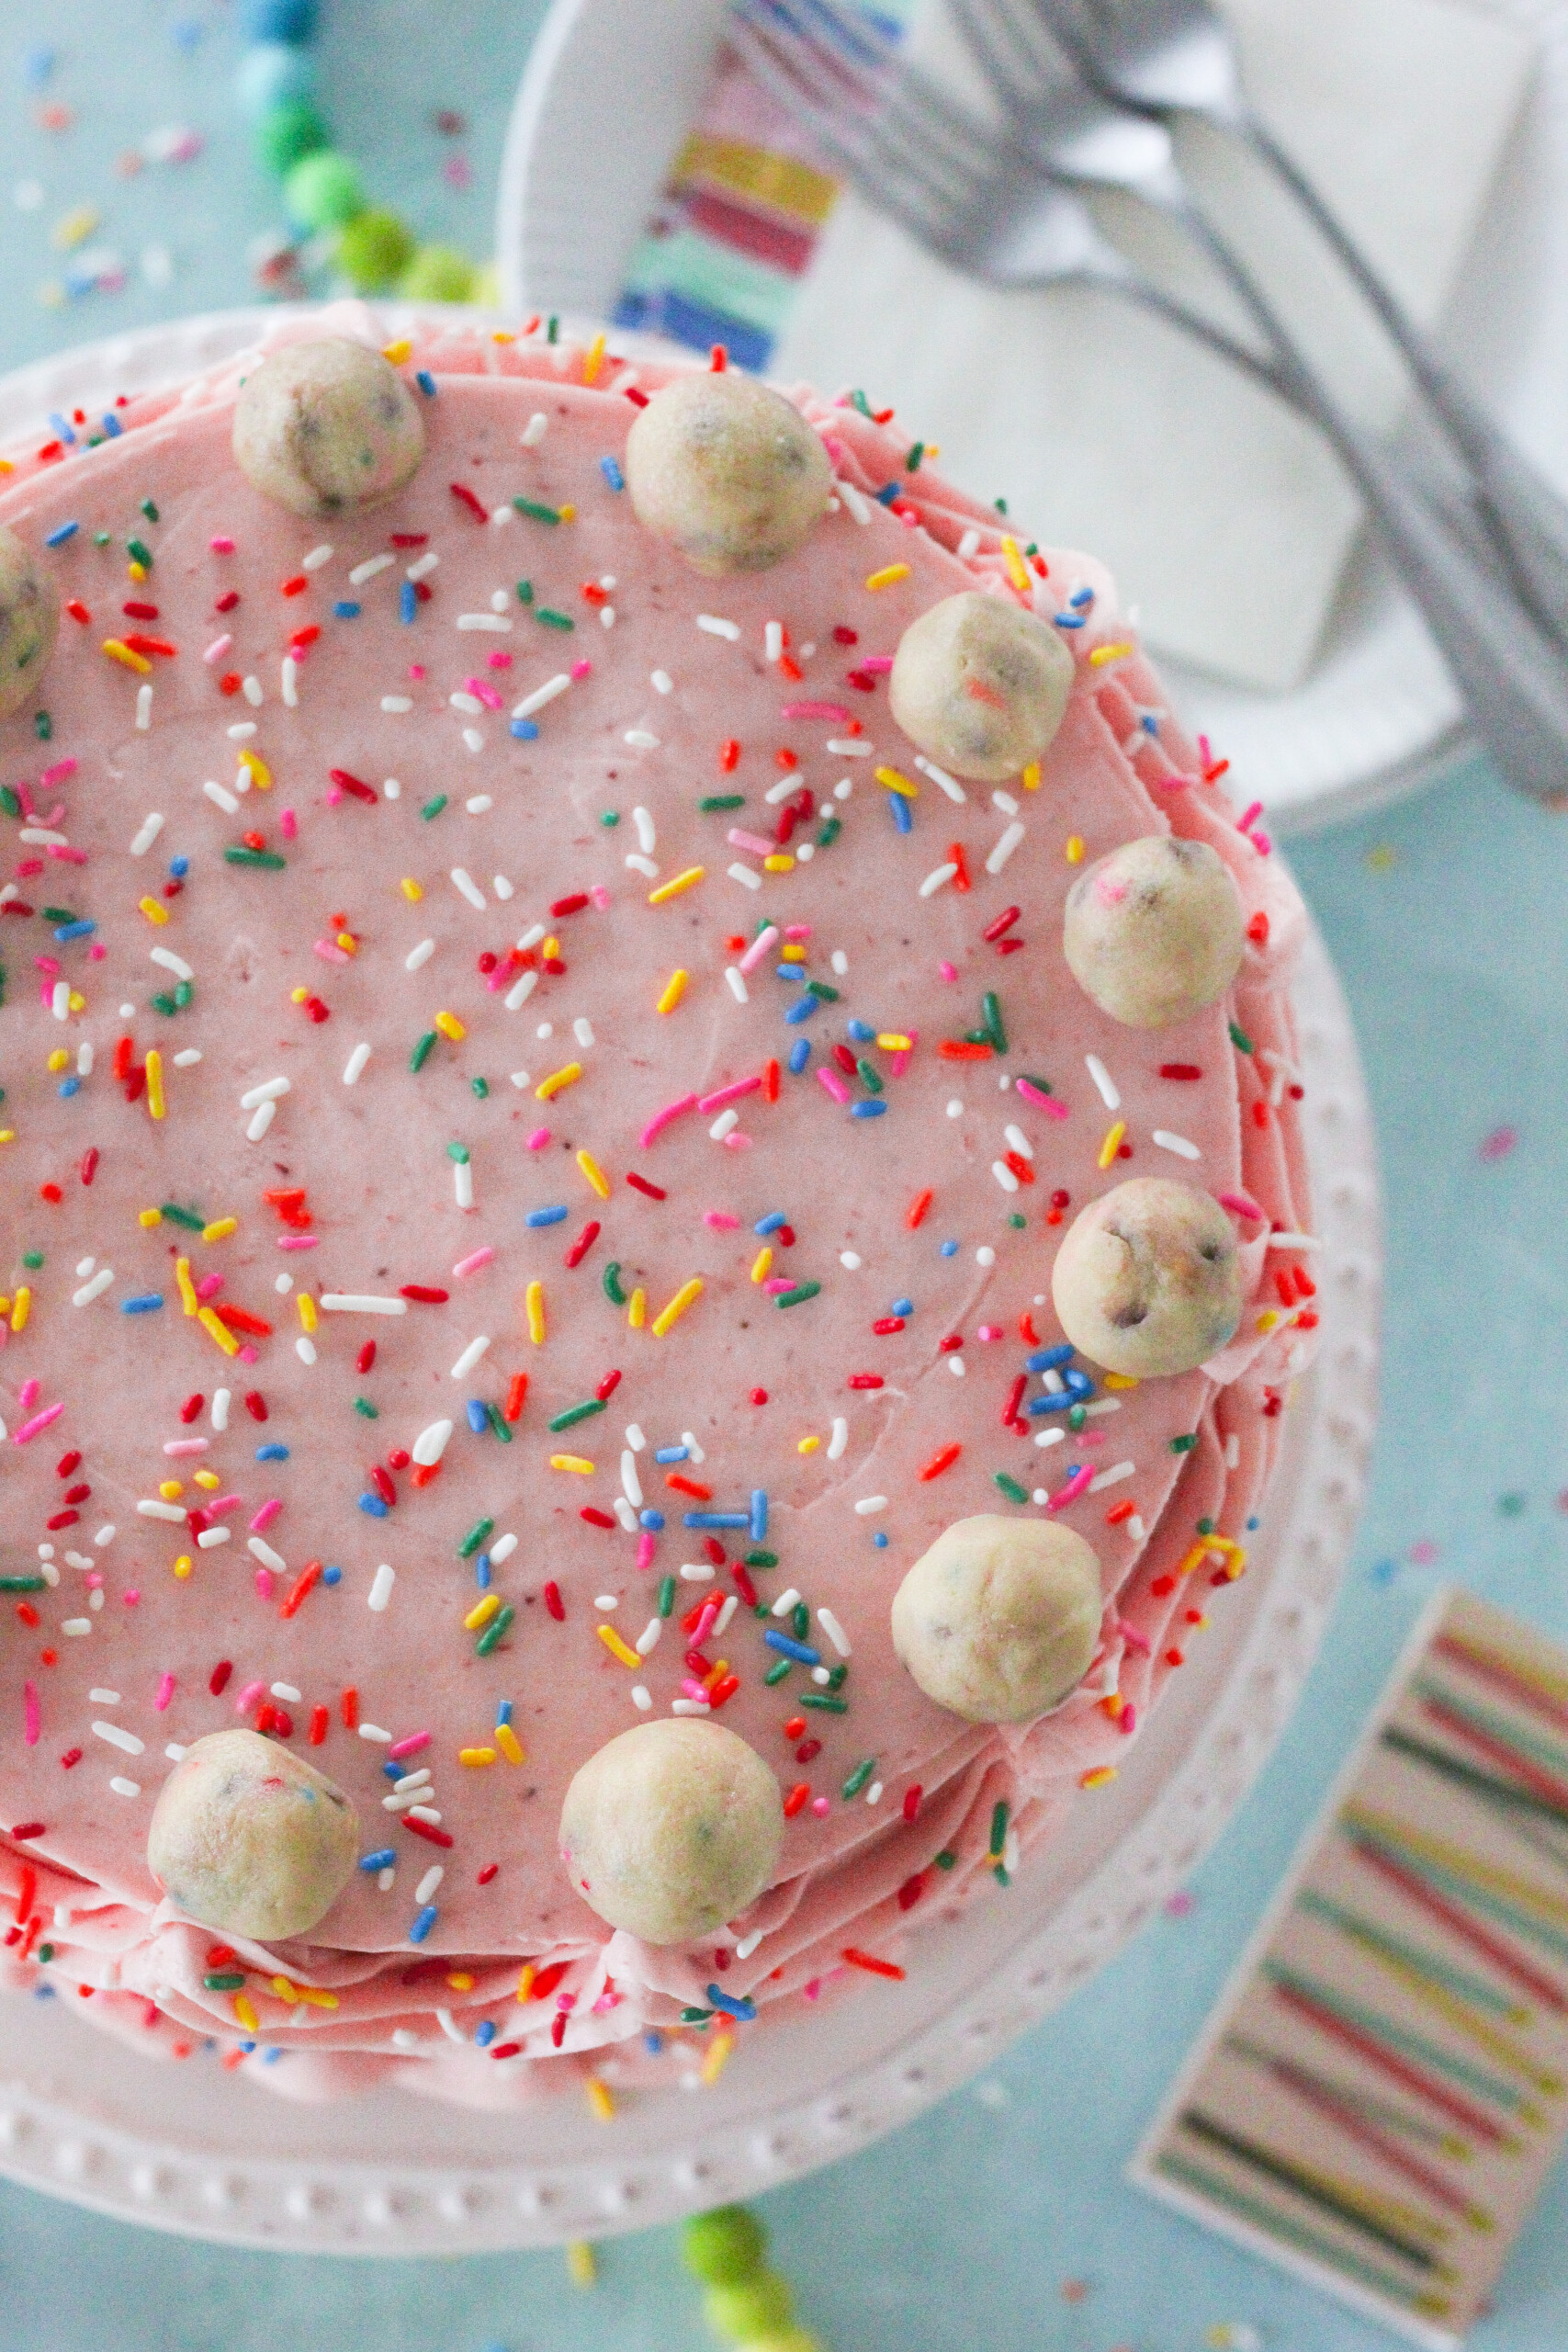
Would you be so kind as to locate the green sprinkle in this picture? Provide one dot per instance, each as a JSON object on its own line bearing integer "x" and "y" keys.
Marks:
{"x": 870, "y": 1077}
{"x": 837, "y": 1677}
{"x": 575, "y": 1413}
{"x": 480, "y": 1087}
{"x": 139, "y": 552}
{"x": 696, "y": 2017}
{"x": 433, "y": 807}
{"x": 539, "y": 512}
{"x": 711, "y": 804}
{"x": 163, "y": 1004}
{"x": 1182, "y": 1444}
{"x": 149, "y": 511}
{"x": 830, "y": 833}
{"x": 553, "y": 619}
{"x": 475, "y": 1537}
{"x": 1000, "y": 1816}
{"x": 1240, "y": 1039}
{"x": 421, "y": 1053}
{"x": 609, "y": 819}
{"x": 824, "y": 1703}
{"x": 800, "y": 1621}
{"x": 774, "y": 1674}
{"x": 991, "y": 1013}
{"x": 191, "y": 1219}
{"x": 795, "y": 1297}
{"x": 1017, "y": 1221}
{"x": 363, "y": 1405}
{"x": 552, "y": 329}
{"x": 266, "y": 858}
{"x": 610, "y": 1278}
{"x": 1010, "y": 1487}
{"x": 184, "y": 990}
{"x": 859, "y": 1777}
{"x": 101, "y": 539}
{"x": 10, "y": 802}
{"x": 58, "y": 914}
{"x": 43, "y": 726}
{"x": 498, "y": 1423}
{"x": 666, "y": 1595}
{"x": 761, "y": 1609}
{"x": 21, "y": 1584}
{"x": 1076, "y": 1416}
{"x": 1001, "y": 505}
{"x": 32, "y": 1260}
{"x": 499, "y": 1624}
{"x": 912, "y": 462}
{"x": 230, "y": 1983}
{"x": 824, "y": 994}
{"x": 46, "y": 1952}
{"x": 947, "y": 1859}
{"x": 1000, "y": 1875}
{"x": 524, "y": 592}
{"x": 459, "y": 1152}
{"x": 761, "y": 1560}
{"x": 858, "y": 401}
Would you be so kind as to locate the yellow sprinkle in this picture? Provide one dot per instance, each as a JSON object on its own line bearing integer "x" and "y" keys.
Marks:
{"x": 636, "y": 1311}
{"x": 460, "y": 1981}
{"x": 673, "y": 888}
{"x": 760, "y": 1264}
{"x": 582, "y": 2268}
{"x": 285, "y": 1990}
{"x": 888, "y": 575}
{"x": 398, "y": 352}
{"x": 601, "y": 2098}
{"x": 244, "y": 2012}
{"x": 7, "y": 1135}
{"x": 220, "y": 1229}
{"x": 1032, "y": 776}
{"x": 892, "y": 1041}
{"x": 1098, "y": 1777}
{"x": 674, "y": 990}
{"x": 792, "y": 954}
{"x": 298, "y": 996}
{"x": 347, "y": 941}
{"x": 182, "y": 1567}
{"x": 23, "y": 1301}
{"x": 595, "y": 1174}
{"x": 510, "y": 1746}
{"x": 152, "y": 910}
{"x": 5, "y": 1305}
{"x": 189, "y": 1298}
{"x": 214, "y": 1323}
{"x": 1267, "y": 1320}
{"x": 502, "y": 335}
{"x": 897, "y": 781}
{"x": 1018, "y": 571}
{"x": 592, "y": 358}
{"x": 1075, "y": 849}
{"x": 307, "y": 1307}
{"x": 476, "y": 1756}
{"x": 60, "y": 1058}
{"x": 257, "y": 770}
{"x": 410, "y": 890}
{"x": 1118, "y": 1380}
{"x": 576, "y": 1462}
{"x": 1104, "y": 653}
{"x": 809, "y": 1445}
{"x": 155, "y": 1104}
{"x": 6, "y": 467}
{"x": 148, "y": 1218}
{"x": 135, "y": 571}
{"x": 77, "y": 1003}
{"x": 171, "y": 1491}
{"x": 481, "y": 1613}
{"x": 617, "y": 1649}
{"x": 780, "y": 862}
{"x": 549, "y": 1088}
{"x": 687, "y": 1296}
{"x": 1112, "y": 1144}
{"x": 567, "y": 514}
{"x": 208, "y": 1478}
{"x": 535, "y": 1301}
{"x": 720, "y": 2050}
{"x": 315, "y": 1998}
{"x": 526, "y": 1977}
{"x": 550, "y": 948}
{"x": 450, "y": 1026}
{"x": 123, "y": 654}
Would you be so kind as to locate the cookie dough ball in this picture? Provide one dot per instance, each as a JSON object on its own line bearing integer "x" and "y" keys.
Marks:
{"x": 324, "y": 427}
{"x": 29, "y": 615}
{"x": 1154, "y": 931}
{"x": 1147, "y": 1280}
{"x": 252, "y": 1841}
{"x": 728, "y": 470}
{"x": 981, "y": 685}
{"x": 998, "y": 1621}
{"x": 671, "y": 1829}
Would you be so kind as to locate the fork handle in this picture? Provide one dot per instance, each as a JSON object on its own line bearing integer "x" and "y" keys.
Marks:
{"x": 1527, "y": 516}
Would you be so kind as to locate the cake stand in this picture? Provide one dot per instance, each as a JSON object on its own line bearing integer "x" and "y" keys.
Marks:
{"x": 187, "y": 2148}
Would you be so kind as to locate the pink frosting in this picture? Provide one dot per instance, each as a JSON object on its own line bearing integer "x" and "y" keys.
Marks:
{"x": 641, "y": 726}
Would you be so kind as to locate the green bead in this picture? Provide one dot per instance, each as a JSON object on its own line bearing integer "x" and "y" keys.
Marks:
{"x": 436, "y": 274}
{"x": 324, "y": 192}
{"x": 757, "y": 2306}
{"x": 286, "y": 134}
{"x": 373, "y": 250}
{"x": 724, "y": 2247}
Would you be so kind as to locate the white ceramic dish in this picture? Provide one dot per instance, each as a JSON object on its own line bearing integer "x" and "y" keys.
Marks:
{"x": 621, "y": 82}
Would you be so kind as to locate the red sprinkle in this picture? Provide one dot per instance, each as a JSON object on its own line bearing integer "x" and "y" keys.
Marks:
{"x": 460, "y": 491}
{"x": 309, "y": 1575}
{"x": 864, "y": 1380}
{"x": 595, "y": 1517}
{"x": 915, "y": 1214}
{"x": 912, "y": 1802}
{"x": 1186, "y": 1071}
{"x": 571, "y": 905}
{"x": 426, "y": 1829}
{"x": 423, "y": 1295}
{"x": 641, "y": 1185}
{"x": 1118, "y": 1513}
{"x": 297, "y": 585}
{"x": 583, "y": 1243}
{"x": 553, "y": 1602}
{"x": 743, "y": 1583}
{"x": 941, "y": 1461}
{"x": 218, "y": 1679}
{"x": 488, "y": 1873}
{"x": 89, "y": 1166}
{"x": 320, "y": 1719}
{"x": 873, "y": 1966}
{"x": 771, "y": 1082}
{"x": 1004, "y": 921}
{"x": 366, "y": 1357}
{"x": 514, "y": 1396}
{"x": 256, "y": 1403}
{"x": 796, "y": 1799}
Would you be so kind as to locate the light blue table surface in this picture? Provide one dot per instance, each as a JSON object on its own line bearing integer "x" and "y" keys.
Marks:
{"x": 975, "y": 2229}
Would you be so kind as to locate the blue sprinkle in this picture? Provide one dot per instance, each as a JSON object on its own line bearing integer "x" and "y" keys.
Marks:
{"x": 179, "y": 867}
{"x": 384, "y": 1859}
{"x": 652, "y": 2040}
{"x": 393, "y": 1771}
{"x": 67, "y": 530}
{"x": 478, "y": 1419}
{"x": 800, "y": 1053}
{"x": 802, "y": 1009}
{"x": 1068, "y": 620}
{"x": 902, "y": 815}
{"x": 43, "y": 1992}
{"x": 503, "y": 1713}
{"x": 672, "y": 1453}
{"x": 408, "y": 603}
{"x": 770, "y": 1222}
{"x": 1079, "y": 1383}
{"x": 717, "y": 1519}
{"x": 789, "y": 972}
{"x": 802, "y": 1652}
{"x": 743, "y": 2009}
{"x": 1149, "y": 723}
{"x": 652, "y": 1520}
{"x": 611, "y": 474}
{"x": 949, "y": 1249}
{"x": 425, "y": 381}
{"x": 547, "y": 1217}
{"x": 62, "y": 431}
{"x": 902, "y": 1306}
{"x": 272, "y": 1454}
{"x": 867, "y": 1110}
{"x": 1062, "y": 1404}
{"x": 880, "y": 1542}
{"x": 1048, "y": 1358}
{"x": 65, "y": 932}
{"x": 862, "y": 1032}
{"x": 1253, "y": 1525}
{"x": 372, "y": 1506}
{"x": 69, "y": 1086}
{"x": 887, "y": 493}
{"x": 112, "y": 426}
{"x": 1081, "y": 600}
{"x": 332, "y": 1575}
{"x": 482, "y": 1572}
{"x": 525, "y": 731}
{"x": 484, "y": 2034}
{"x": 758, "y": 1529}
{"x": 424, "y": 1924}
{"x": 145, "y": 1303}
{"x": 347, "y": 610}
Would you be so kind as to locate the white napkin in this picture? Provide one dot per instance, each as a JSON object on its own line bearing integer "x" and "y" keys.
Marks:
{"x": 1225, "y": 520}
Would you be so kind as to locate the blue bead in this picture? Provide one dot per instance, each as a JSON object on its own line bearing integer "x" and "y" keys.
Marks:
{"x": 949, "y": 1249}
{"x": 57, "y": 538}
{"x": 758, "y": 1529}
{"x": 547, "y": 1217}
{"x": 652, "y": 2040}
{"x": 1062, "y": 1404}
{"x": 902, "y": 1306}
{"x": 271, "y": 76}
{"x": 145, "y": 1304}
{"x": 611, "y": 474}
{"x": 66, "y": 931}
{"x": 422, "y": 1924}
{"x": 393, "y": 1771}
{"x": 880, "y": 1541}
{"x": 383, "y": 1858}
{"x": 801, "y": 1652}
{"x": 179, "y": 867}
{"x": 289, "y": 20}
{"x": 69, "y": 1086}
{"x": 484, "y": 2033}
{"x": 408, "y": 603}
{"x": 425, "y": 381}
{"x": 672, "y": 1453}
{"x": 1079, "y": 1383}
{"x": 332, "y": 1575}
{"x": 482, "y": 1572}
{"x": 789, "y": 972}
{"x": 770, "y": 1222}
{"x": 799, "y": 1055}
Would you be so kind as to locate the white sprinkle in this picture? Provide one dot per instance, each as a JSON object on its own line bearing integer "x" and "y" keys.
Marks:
{"x": 260, "y": 1549}
{"x": 425, "y": 1893}
{"x": 1106, "y": 1405}
{"x": 125, "y": 1741}
{"x": 286, "y": 1691}
{"x": 843, "y": 789}
{"x": 1005, "y": 802}
{"x": 1134, "y": 1529}
{"x": 738, "y": 872}
{"x": 541, "y": 696}
{"x": 640, "y": 740}
{"x": 499, "y": 600}
{"x": 1004, "y": 1175}
{"x": 1293, "y": 1241}
{"x": 105, "y": 1699}
{"x": 642, "y": 1697}
{"x": 395, "y": 705}
{"x": 718, "y": 626}
{"x": 874, "y": 1794}
{"x": 313, "y": 562}
{"x": 463, "y": 1183}
{"x": 1232, "y": 1451}
{"x": 431, "y": 1445}
{"x": 262, "y": 1121}
{"x": 634, "y": 1437}
{"x": 470, "y": 1356}
{"x": 648, "y": 1640}
{"x": 1004, "y": 849}
{"x": 290, "y": 683}
{"x": 503, "y": 1549}
{"x": 839, "y": 1440}
{"x": 1103, "y": 1081}
{"x": 95, "y": 1289}
{"x": 858, "y": 507}
{"x": 606, "y": 1602}
{"x": 470, "y": 889}
{"x": 783, "y": 789}
{"x": 355, "y": 1063}
{"x": 40, "y": 837}
{"x": 381, "y": 1585}
{"x": 692, "y": 1447}
{"x": 785, "y": 1602}
{"x": 626, "y": 1514}
{"x": 349, "y": 1302}
{"x": 172, "y": 963}
{"x": 725, "y": 1614}
{"x": 463, "y": 701}
{"x": 374, "y": 1731}
{"x": 123, "y": 1788}
{"x": 1112, "y": 1477}
{"x": 939, "y": 776}
{"x": 222, "y": 1399}
{"x": 582, "y": 1030}
{"x": 144, "y": 707}
{"x": 690, "y": 1707}
{"x": 1183, "y": 1149}
{"x": 477, "y": 805}
{"x": 520, "y": 994}
{"x": 253, "y": 692}
{"x": 726, "y": 1123}
{"x": 502, "y": 887}
{"x": 531, "y": 937}
{"x": 850, "y": 746}
{"x": 647, "y": 833}
{"x": 532, "y": 432}
{"x": 188, "y": 1058}
{"x": 736, "y": 985}
{"x": 868, "y": 1503}
{"x": 217, "y": 649}
{"x": 772, "y": 640}
{"x": 662, "y": 682}
{"x": 698, "y": 1572}
{"x": 171, "y": 1511}
{"x": 834, "y": 1632}
{"x": 76, "y": 1626}
{"x": 369, "y": 568}
{"x": 60, "y": 1003}
{"x": 491, "y": 622}
{"x": 151, "y": 826}
{"x": 421, "y": 567}
{"x": 851, "y": 1259}
{"x": 266, "y": 1092}
{"x": 221, "y": 797}
{"x": 643, "y": 865}
{"x": 935, "y": 878}
{"x": 420, "y": 955}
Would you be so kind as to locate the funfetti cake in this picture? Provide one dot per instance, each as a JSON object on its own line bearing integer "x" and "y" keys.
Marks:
{"x": 651, "y": 1202}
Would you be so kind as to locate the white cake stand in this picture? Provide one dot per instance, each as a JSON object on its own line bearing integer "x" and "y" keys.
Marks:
{"x": 189, "y": 2148}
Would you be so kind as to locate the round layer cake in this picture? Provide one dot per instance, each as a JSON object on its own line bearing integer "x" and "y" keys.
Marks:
{"x": 655, "y": 1219}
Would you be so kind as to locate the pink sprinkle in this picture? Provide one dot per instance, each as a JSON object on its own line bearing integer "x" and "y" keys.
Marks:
{"x": 217, "y": 649}
{"x": 56, "y": 774}
{"x": 24, "y": 794}
{"x": 833, "y": 1082}
{"x": 96, "y": 951}
{"x": 661, "y": 1119}
{"x": 765, "y": 939}
{"x": 646, "y": 1548}
{"x": 1047, "y": 1102}
{"x": 1132, "y": 1638}
{"x": 65, "y": 854}
{"x": 1260, "y": 842}
{"x": 877, "y": 665}
{"x": 288, "y": 824}
{"x": 990, "y": 1331}
{"x": 246, "y": 1699}
{"x": 1127, "y": 1721}
{"x": 693, "y": 1689}
{"x": 1245, "y": 824}
{"x": 735, "y": 1141}
{"x": 130, "y": 1597}
{"x": 499, "y": 662}
{"x": 703, "y": 1626}
{"x": 728, "y": 1095}
{"x": 416, "y": 671}
{"x": 1500, "y": 1143}
{"x": 30, "y": 1705}
{"x": 25, "y": 1393}
{"x": 222, "y": 545}
{"x": 1242, "y": 1204}
{"x": 816, "y": 710}
{"x": 224, "y": 1502}
{"x": 720, "y": 1221}
{"x": 298, "y": 1241}
{"x": 812, "y": 1989}
{"x": 947, "y": 971}
{"x": 471, "y": 1264}
{"x": 483, "y": 693}
{"x": 583, "y": 669}
{"x": 821, "y": 1807}
{"x": 796, "y": 931}
{"x": 166, "y": 1691}
{"x": 409, "y": 1746}
{"x": 329, "y": 951}
{"x": 209, "y": 1286}
{"x": 267, "y": 1514}
{"x": 1171, "y": 782}
{"x": 776, "y": 1283}
{"x": 177, "y": 1446}
{"x": 39, "y": 1423}
{"x": 753, "y": 841}
{"x": 598, "y": 894}
{"x": 1072, "y": 1490}
{"x": 264, "y": 1583}
{"x": 538, "y": 1139}
{"x": 248, "y": 1354}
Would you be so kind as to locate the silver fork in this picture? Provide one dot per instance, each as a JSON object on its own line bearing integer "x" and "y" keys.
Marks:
{"x": 1170, "y": 57}
{"x": 1510, "y": 674}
